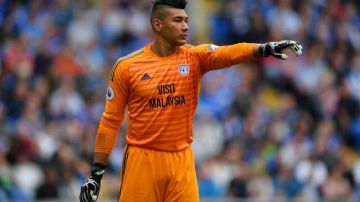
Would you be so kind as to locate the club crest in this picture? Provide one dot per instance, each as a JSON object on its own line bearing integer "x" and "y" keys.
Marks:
{"x": 184, "y": 69}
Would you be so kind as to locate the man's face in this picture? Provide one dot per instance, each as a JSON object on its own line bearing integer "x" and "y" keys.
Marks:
{"x": 174, "y": 27}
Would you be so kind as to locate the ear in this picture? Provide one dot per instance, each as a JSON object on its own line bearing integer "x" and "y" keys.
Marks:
{"x": 156, "y": 23}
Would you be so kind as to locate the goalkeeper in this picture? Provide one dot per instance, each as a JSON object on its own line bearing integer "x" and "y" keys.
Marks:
{"x": 160, "y": 86}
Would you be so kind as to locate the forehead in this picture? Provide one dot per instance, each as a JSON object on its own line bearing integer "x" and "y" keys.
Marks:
{"x": 174, "y": 12}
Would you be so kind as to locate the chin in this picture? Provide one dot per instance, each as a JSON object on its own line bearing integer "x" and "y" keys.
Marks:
{"x": 181, "y": 42}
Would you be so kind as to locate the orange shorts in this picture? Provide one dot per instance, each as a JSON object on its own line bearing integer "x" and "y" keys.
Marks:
{"x": 158, "y": 176}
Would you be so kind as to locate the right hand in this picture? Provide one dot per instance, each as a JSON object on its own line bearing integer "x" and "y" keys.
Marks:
{"x": 91, "y": 188}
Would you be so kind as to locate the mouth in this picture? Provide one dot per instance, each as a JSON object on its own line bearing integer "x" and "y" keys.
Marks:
{"x": 184, "y": 36}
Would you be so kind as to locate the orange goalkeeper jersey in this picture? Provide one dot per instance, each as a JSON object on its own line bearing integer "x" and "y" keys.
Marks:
{"x": 161, "y": 94}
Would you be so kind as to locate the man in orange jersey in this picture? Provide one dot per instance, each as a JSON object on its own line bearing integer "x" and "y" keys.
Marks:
{"x": 160, "y": 85}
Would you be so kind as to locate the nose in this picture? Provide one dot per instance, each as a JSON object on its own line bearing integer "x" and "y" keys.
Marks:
{"x": 185, "y": 27}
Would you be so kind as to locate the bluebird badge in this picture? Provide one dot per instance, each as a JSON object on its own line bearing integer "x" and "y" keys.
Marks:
{"x": 184, "y": 69}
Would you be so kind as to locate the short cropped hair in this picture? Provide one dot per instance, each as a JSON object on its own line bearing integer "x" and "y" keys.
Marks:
{"x": 157, "y": 4}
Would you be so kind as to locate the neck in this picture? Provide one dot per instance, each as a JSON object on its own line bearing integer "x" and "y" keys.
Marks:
{"x": 163, "y": 48}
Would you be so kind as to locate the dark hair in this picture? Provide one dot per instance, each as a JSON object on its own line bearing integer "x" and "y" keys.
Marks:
{"x": 180, "y": 4}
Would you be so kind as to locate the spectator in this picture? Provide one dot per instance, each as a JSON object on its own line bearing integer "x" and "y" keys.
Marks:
{"x": 238, "y": 186}
{"x": 336, "y": 187}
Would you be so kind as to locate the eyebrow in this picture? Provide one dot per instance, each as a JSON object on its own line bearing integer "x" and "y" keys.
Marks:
{"x": 181, "y": 17}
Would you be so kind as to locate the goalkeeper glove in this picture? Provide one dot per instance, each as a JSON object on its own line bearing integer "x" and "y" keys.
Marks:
{"x": 91, "y": 188}
{"x": 275, "y": 48}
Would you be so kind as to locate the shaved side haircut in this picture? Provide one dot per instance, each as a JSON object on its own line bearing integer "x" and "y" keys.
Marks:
{"x": 159, "y": 5}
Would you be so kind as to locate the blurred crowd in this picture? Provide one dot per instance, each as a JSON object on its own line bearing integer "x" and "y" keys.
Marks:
{"x": 282, "y": 130}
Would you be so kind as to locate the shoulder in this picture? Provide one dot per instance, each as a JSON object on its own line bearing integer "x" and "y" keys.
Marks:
{"x": 187, "y": 47}
{"x": 199, "y": 48}
{"x": 121, "y": 65}
{"x": 130, "y": 58}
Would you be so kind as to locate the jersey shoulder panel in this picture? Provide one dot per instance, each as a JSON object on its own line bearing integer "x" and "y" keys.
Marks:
{"x": 202, "y": 48}
{"x": 187, "y": 47}
{"x": 124, "y": 62}
{"x": 130, "y": 58}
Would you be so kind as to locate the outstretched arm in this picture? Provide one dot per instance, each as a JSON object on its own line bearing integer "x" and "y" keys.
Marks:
{"x": 213, "y": 57}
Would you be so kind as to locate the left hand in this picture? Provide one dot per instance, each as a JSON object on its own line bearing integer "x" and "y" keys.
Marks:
{"x": 276, "y": 48}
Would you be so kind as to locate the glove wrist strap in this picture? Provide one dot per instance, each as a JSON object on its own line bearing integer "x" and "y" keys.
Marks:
{"x": 97, "y": 171}
{"x": 265, "y": 50}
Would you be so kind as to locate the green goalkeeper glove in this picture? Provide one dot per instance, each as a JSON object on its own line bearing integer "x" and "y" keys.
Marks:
{"x": 91, "y": 188}
{"x": 275, "y": 48}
